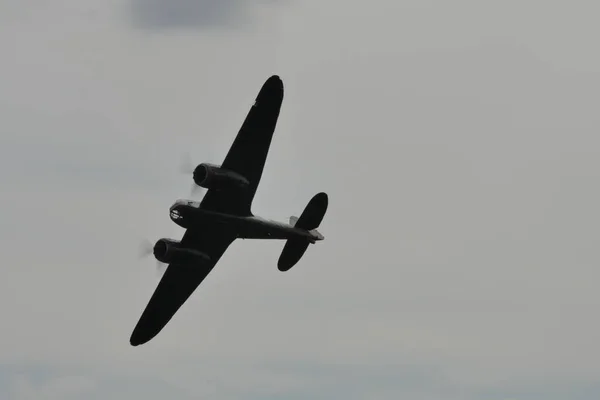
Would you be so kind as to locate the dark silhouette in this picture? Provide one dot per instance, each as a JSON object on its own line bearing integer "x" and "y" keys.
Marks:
{"x": 224, "y": 215}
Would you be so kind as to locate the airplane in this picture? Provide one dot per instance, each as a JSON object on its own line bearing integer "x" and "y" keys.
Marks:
{"x": 224, "y": 215}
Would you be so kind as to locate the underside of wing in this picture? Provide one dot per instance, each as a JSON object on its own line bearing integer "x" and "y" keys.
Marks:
{"x": 248, "y": 153}
{"x": 178, "y": 283}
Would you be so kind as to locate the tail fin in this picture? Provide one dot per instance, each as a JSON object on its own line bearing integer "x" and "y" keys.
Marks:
{"x": 310, "y": 219}
{"x": 294, "y": 221}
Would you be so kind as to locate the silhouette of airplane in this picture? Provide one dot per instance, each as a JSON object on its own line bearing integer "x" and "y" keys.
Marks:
{"x": 224, "y": 214}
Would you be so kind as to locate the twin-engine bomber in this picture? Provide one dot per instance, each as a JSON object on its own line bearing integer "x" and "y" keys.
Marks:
{"x": 224, "y": 214}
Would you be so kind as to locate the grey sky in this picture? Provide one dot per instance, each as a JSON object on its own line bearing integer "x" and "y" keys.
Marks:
{"x": 156, "y": 14}
{"x": 457, "y": 142}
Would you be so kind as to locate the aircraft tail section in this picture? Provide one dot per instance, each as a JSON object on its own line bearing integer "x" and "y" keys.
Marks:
{"x": 294, "y": 220}
{"x": 310, "y": 219}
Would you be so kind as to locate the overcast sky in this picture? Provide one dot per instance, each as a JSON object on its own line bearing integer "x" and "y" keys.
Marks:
{"x": 458, "y": 143}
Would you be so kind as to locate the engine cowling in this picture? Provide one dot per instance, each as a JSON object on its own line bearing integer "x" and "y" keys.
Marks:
{"x": 170, "y": 251}
{"x": 212, "y": 176}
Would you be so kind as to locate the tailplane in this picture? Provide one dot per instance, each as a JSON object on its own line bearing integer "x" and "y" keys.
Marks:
{"x": 310, "y": 219}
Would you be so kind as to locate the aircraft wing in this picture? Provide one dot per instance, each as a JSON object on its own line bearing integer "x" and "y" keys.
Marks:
{"x": 179, "y": 282}
{"x": 249, "y": 150}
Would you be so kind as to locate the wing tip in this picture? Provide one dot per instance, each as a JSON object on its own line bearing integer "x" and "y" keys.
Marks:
{"x": 272, "y": 88}
{"x": 136, "y": 341}
{"x": 275, "y": 79}
{"x": 139, "y": 337}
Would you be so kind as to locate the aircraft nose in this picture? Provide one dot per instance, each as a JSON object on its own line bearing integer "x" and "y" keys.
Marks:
{"x": 174, "y": 212}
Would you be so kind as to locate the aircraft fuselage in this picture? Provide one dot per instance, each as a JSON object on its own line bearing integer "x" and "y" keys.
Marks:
{"x": 188, "y": 214}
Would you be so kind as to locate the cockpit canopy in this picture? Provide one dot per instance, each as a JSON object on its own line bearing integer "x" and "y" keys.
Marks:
{"x": 182, "y": 202}
{"x": 175, "y": 214}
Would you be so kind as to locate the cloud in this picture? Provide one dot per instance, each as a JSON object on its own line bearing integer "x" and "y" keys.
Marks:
{"x": 292, "y": 380}
{"x": 28, "y": 382}
{"x": 23, "y": 387}
{"x": 157, "y": 14}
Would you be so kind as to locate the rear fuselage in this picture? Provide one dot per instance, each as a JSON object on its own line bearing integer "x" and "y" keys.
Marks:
{"x": 188, "y": 214}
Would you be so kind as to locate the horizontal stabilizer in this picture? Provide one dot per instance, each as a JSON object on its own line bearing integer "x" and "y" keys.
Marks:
{"x": 314, "y": 212}
{"x": 310, "y": 219}
{"x": 292, "y": 252}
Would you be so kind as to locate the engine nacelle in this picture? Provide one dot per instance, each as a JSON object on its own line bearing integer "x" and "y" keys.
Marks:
{"x": 170, "y": 251}
{"x": 212, "y": 176}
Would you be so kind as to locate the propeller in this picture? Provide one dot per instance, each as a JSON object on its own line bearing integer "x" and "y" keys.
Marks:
{"x": 146, "y": 249}
{"x": 187, "y": 167}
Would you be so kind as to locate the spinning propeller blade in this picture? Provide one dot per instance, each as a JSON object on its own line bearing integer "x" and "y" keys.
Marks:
{"x": 146, "y": 249}
{"x": 187, "y": 167}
